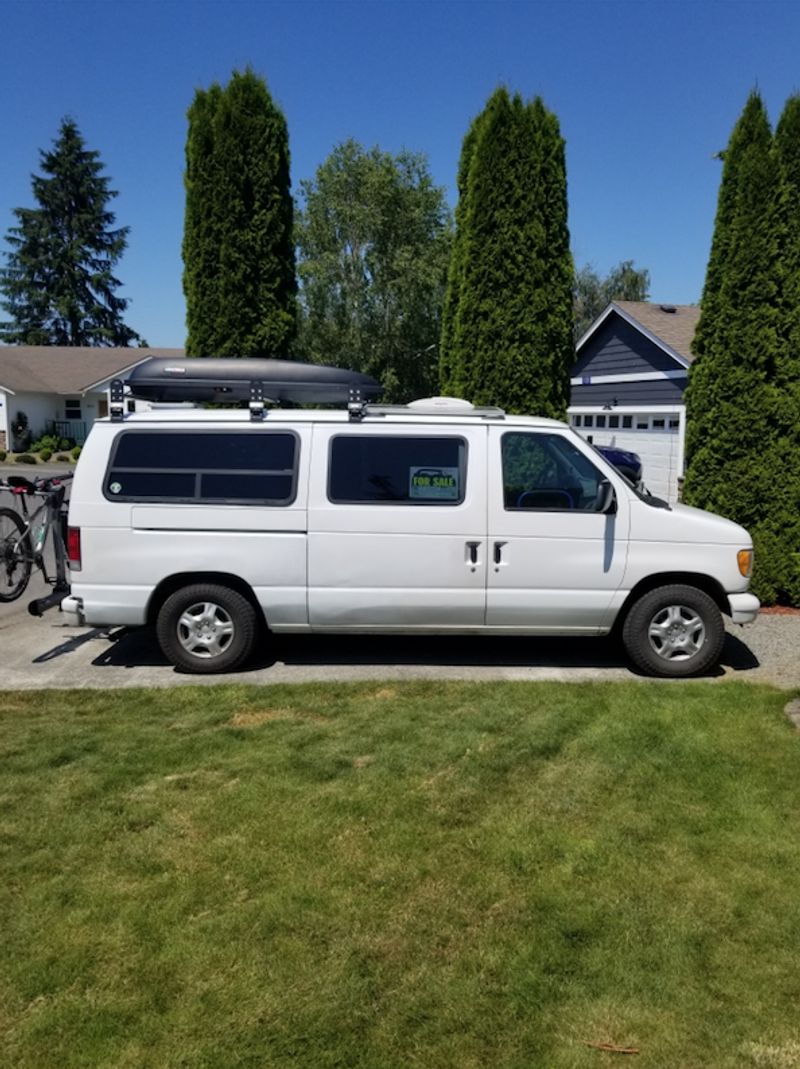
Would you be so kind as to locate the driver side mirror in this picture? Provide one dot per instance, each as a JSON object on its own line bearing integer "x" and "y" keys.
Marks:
{"x": 606, "y": 498}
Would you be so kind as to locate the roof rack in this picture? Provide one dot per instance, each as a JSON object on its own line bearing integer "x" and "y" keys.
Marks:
{"x": 260, "y": 382}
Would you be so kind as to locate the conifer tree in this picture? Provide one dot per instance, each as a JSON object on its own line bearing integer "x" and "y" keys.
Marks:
{"x": 507, "y": 335}
{"x": 736, "y": 443}
{"x": 59, "y": 284}
{"x": 238, "y": 251}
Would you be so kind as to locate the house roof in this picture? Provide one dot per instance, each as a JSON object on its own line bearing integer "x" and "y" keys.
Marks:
{"x": 672, "y": 326}
{"x": 67, "y": 370}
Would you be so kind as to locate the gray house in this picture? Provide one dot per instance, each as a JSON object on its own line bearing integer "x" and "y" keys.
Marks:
{"x": 628, "y": 382}
{"x": 62, "y": 390}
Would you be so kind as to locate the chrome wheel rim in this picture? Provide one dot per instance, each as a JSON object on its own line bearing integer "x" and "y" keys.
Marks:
{"x": 676, "y": 633}
{"x": 205, "y": 630}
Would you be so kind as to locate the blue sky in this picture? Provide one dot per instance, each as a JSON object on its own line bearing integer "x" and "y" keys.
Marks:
{"x": 646, "y": 94}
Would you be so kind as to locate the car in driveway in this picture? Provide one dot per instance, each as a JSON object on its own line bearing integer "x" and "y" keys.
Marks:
{"x": 627, "y": 463}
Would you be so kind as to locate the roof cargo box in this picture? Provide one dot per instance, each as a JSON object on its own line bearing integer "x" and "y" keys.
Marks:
{"x": 220, "y": 379}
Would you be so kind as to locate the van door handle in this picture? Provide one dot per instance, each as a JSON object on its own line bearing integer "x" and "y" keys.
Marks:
{"x": 498, "y": 552}
{"x": 472, "y": 554}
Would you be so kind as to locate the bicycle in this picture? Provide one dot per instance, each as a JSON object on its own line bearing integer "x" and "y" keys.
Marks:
{"x": 23, "y": 537}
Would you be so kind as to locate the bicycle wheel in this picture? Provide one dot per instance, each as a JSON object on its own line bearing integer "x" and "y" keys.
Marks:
{"x": 15, "y": 555}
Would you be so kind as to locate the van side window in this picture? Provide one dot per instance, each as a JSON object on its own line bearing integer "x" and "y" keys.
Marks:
{"x": 406, "y": 470}
{"x": 250, "y": 467}
{"x": 547, "y": 473}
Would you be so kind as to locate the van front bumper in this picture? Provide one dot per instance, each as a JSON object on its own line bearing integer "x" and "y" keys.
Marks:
{"x": 744, "y": 607}
{"x": 72, "y": 608}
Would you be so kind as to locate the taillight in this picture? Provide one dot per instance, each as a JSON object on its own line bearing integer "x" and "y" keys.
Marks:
{"x": 74, "y": 548}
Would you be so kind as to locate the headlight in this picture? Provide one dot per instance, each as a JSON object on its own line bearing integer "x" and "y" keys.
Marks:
{"x": 744, "y": 558}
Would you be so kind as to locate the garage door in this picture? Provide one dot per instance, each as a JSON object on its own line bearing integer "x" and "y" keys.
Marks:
{"x": 655, "y": 437}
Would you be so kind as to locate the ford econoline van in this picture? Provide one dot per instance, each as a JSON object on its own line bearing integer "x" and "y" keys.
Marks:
{"x": 218, "y": 527}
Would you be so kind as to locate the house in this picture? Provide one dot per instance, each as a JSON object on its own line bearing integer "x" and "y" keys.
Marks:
{"x": 61, "y": 390}
{"x": 627, "y": 385}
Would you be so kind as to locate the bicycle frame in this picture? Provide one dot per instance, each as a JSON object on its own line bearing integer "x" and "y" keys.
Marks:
{"x": 44, "y": 520}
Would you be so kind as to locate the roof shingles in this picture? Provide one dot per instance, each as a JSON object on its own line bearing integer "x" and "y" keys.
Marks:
{"x": 64, "y": 370}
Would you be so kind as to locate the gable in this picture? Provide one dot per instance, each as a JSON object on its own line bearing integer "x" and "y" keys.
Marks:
{"x": 616, "y": 347}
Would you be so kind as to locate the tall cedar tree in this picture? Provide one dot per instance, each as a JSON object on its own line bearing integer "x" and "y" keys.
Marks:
{"x": 238, "y": 250}
{"x": 737, "y": 446}
{"x": 507, "y": 331}
{"x": 59, "y": 284}
{"x": 373, "y": 239}
{"x": 787, "y": 375}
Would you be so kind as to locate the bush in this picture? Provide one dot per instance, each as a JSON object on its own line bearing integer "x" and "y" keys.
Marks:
{"x": 64, "y": 457}
{"x": 3, "y": 455}
{"x": 47, "y": 441}
{"x": 26, "y": 458}
{"x": 76, "y": 452}
{"x": 45, "y": 454}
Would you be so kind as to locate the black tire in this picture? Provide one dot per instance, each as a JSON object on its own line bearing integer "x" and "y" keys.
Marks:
{"x": 15, "y": 556}
{"x": 674, "y": 631}
{"x": 206, "y": 628}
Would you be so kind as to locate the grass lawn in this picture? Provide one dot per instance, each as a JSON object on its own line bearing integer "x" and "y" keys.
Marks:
{"x": 400, "y": 876}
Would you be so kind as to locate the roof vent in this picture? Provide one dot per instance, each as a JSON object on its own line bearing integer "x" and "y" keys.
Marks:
{"x": 669, "y": 308}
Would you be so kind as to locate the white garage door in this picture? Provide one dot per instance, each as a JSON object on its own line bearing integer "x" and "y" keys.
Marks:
{"x": 655, "y": 436}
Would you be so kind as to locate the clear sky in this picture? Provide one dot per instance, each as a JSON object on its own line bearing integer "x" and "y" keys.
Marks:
{"x": 646, "y": 93}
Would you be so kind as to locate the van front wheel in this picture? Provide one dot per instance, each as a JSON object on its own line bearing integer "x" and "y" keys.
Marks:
{"x": 674, "y": 631}
{"x": 206, "y": 628}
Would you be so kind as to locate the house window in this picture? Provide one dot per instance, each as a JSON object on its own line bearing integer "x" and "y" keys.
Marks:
{"x": 674, "y": 424}
{"x": 627, "y": 422}
{"x": 588, "y": 421}
{"x": 613, "y": 421}
{"x": 642, "y": 423}
{"x": 601, "y": 421}
{"x": 72, "y": 408}
{"x": 576, "y": 421}
{"x": 658, "y": 424}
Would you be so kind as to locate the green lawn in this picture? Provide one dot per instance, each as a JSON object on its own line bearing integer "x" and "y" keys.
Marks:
{"x": 412, "y": 876}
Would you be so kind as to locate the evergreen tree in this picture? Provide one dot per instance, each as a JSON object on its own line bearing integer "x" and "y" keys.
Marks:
{"x": 736, "y": 423}
{"x": 507, "y": 335}
{"x": 238, "y": 251}
{"x": 59, "y": 285}
{"x": 374, "y": 240}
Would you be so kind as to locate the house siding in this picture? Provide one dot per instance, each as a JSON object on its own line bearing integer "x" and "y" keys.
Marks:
{"x": 617, "y": 348}
{"x": 650, "y": 392}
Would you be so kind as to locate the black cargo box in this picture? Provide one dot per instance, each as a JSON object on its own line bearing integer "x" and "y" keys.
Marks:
{"x": 218, "y": 379}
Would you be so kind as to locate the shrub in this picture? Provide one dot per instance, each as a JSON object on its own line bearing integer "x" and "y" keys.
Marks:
{"x": 64, "y": 457}
{"x": 76, "y": 452}
{"x": 47, "y": 441}
{"x": 3, "y": 455}
{"x": 45, "y": 454}
{"x": 26, "y": 458}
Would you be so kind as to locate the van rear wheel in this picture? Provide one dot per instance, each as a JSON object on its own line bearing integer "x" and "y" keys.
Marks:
{"x": 674, "y": 631}
{"x": 205, "y": 628}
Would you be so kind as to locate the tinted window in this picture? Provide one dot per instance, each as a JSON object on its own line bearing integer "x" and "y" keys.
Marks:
{"x": 257, "y": 467}
{"x": 402, "y": 470}
{"x": 547, "y": 473}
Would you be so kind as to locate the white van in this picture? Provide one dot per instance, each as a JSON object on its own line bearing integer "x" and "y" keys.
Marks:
{"x": 219, "y": 526}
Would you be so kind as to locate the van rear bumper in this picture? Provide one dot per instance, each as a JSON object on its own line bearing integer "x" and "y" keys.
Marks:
{"x": 72, "y": 608}
{"x": 744, "y": 608}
